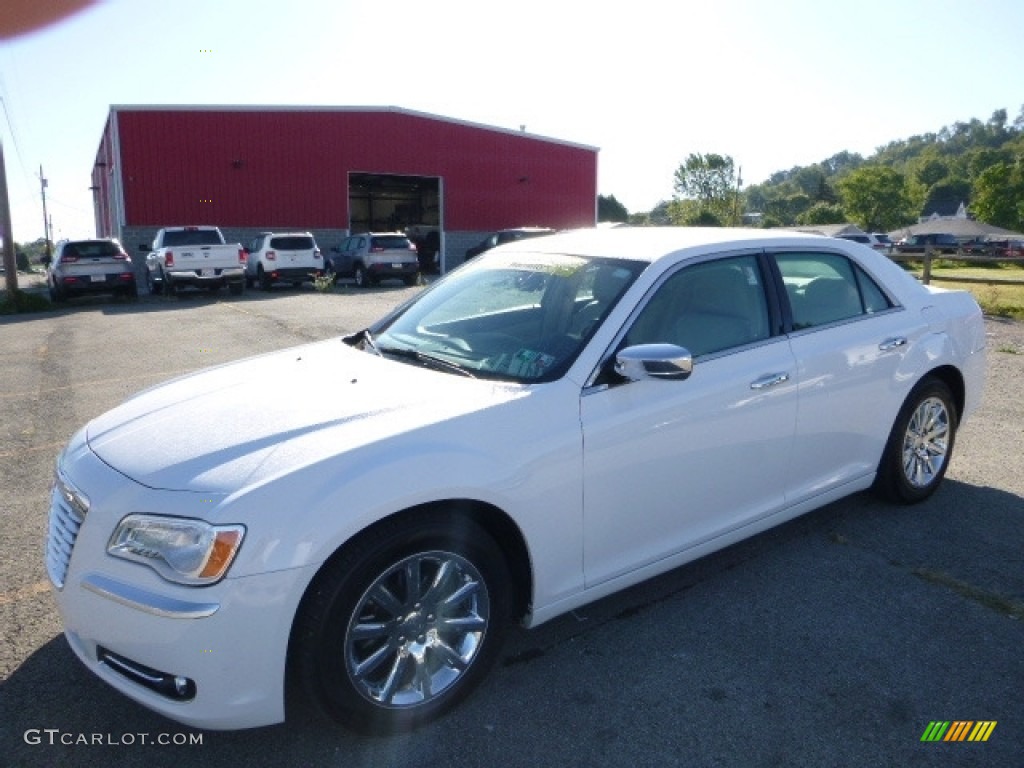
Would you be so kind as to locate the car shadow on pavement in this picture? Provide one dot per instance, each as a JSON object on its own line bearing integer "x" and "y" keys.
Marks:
{"x": 848, "y": 620}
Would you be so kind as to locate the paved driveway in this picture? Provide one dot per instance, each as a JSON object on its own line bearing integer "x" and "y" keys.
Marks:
{"x": 833, "y": 640}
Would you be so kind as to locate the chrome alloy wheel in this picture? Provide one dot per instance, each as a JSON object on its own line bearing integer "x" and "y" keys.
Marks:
{"x": 417, "y": 629}
{"x": 926, "y": 442}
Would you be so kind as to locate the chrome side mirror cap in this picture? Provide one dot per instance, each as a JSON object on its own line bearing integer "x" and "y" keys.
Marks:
{"x": 654, "y": 361}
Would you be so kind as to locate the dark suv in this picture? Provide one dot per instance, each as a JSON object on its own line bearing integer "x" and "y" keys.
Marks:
{"x": 90, "y": 266}
{"x": 503, "y": 236}
{"x": 941, "y": 243}
{"x": 374, "y": 256}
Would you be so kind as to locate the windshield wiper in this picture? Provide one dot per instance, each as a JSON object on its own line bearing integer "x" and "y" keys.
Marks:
{"x": 422, "y": 357}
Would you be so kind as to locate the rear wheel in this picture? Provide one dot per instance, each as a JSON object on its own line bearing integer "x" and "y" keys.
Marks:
{"x": 266, "y": 282}
{"x": 155, "y": 287}
{"x": 235, "y": 289}
{"x": 412, "y": 279}
{"x": 404, "y": 623}
{"x": 362, "y": 277}
{"x": 920, "y": 445}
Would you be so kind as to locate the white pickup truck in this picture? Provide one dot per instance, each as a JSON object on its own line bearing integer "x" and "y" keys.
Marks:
{"x": 195, "y": 256}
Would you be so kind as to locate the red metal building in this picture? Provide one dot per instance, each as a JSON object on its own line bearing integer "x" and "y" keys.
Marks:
{"x": 333, "y": 171}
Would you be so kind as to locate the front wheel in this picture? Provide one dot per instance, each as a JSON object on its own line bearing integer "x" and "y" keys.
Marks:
{"x": 920, "y": 444}
{"x": 404, "y": 623}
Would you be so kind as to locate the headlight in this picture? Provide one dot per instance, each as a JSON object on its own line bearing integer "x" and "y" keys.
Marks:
{"x": 179, "y": 549}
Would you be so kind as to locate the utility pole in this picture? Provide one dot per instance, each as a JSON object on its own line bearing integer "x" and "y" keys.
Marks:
{"x": 10, "y": 261}
{"x": 47, "y": 224}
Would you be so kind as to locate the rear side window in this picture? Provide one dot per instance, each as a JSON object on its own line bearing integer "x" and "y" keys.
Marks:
{"x": 292, "y": 243}
{"x": 826, "y": 288}
{"x": 390, "y": 243}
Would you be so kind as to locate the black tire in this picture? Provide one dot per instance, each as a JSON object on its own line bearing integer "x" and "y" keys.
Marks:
{"x": 155, "y": 288}
{"x": 236, "y": 289}
{"x": 169, "y": 287}
{"x": 412, "y": 279}
{"x": 920, "y": 445}
{"x": 362, "y": 277}
{"x": 415, "y": 662}
{"x": 265, "y": 281}
{"x": 132, "y": 292}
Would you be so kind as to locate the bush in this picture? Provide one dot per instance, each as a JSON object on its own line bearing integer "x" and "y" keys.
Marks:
{"x": 23, "y": 301}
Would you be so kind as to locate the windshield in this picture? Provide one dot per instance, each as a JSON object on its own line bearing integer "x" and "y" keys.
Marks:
{"x": 523, "y": 317}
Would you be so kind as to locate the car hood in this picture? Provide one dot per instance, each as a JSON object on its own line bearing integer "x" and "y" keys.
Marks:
{"x": 225, "y": 428}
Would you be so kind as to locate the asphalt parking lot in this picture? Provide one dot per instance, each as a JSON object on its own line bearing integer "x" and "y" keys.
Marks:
{"x": 835, "y": 639}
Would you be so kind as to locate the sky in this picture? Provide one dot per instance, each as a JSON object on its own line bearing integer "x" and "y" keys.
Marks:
{"x": 773, "y": 84}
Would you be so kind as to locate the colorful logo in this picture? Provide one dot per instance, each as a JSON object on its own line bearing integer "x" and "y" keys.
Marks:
{"x": 958, "y": 730}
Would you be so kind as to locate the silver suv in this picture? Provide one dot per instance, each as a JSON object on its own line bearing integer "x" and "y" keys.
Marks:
{"x": 291, "y": 257}
{"x": 99, "y": 265}
{"x": 374, "y": 256}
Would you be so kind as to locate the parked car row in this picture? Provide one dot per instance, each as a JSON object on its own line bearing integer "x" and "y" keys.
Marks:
{"x": 938, "y": 242}
{"x": 876, "y": 240}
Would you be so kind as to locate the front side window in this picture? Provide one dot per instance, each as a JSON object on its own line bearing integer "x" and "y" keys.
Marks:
{"x": 706, "y": 308}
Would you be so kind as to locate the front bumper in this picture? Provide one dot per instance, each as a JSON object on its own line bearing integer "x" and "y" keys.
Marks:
{"x": 210, "y": 657}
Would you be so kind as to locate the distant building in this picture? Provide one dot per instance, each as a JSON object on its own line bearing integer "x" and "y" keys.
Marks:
{"x": 944, "y": 210}
{"x": 333, "y": 171}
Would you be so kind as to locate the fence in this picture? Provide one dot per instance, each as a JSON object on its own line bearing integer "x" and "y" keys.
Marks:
{"x": 929, "y": 256}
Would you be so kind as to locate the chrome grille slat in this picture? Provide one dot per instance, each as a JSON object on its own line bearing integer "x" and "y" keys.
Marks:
{"x": 63, "y": 530}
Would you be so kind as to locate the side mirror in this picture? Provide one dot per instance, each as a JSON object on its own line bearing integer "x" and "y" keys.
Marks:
{"x": 654, "y": 361}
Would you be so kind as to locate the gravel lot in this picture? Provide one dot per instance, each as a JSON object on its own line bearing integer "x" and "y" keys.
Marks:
{"x": 832, "y": 640}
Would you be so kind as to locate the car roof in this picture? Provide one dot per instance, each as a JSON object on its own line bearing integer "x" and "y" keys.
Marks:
{"x": 652, "y": 243}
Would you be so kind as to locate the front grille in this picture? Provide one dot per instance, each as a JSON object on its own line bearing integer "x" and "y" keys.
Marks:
{"x": 66, "y": 516}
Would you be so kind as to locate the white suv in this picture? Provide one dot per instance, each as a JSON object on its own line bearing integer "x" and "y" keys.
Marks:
{"x": 283, "y": 256}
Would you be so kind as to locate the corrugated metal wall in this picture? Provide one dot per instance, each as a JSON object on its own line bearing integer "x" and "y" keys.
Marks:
{"x": 289, "y": 168}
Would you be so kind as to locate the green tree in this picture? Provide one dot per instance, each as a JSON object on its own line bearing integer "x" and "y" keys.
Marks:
{"x": 610, "y": 209}
{"x": 875, "y": 198}
{"x": 710, "y": 182}
{"x": 999, "y": 196}
{"x": 822, "y": 213}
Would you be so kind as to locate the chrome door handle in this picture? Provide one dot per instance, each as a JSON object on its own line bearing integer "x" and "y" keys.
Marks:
{"x": 893, "y": 343}
{"x": 769, "y": 380}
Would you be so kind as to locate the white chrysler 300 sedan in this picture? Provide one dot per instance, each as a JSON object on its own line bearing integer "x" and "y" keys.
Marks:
{"x": 556, "y": 420}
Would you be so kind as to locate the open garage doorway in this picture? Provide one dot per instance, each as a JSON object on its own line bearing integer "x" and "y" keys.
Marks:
{"x": 380, "y": 202}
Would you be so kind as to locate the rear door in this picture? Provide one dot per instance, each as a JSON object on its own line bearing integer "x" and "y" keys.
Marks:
{"x": 849, "y": 338}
